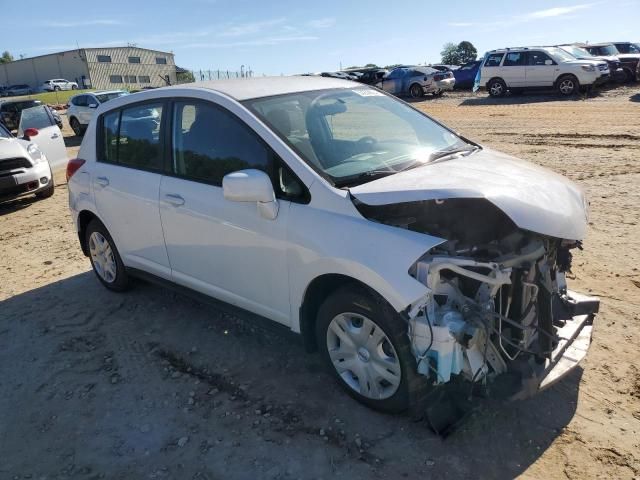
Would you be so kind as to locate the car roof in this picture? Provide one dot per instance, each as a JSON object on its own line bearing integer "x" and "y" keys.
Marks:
{"x": 247, "y": 88}
{"x": 103, "y": 92}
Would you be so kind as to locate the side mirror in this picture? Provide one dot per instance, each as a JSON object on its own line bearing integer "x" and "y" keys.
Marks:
{"x": 93, "y": 105}
{"x": 251, "y": 186}
{"x": 548, "y": 62}
{"x": 30, "y": 132}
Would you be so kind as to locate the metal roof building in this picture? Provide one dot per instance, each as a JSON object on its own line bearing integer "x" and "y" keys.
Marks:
{"x": 101, "y": 68}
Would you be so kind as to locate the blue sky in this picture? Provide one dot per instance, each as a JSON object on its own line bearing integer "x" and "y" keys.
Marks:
{"x": 274, "y": 37}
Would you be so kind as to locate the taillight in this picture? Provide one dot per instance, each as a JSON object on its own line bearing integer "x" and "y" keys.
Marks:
{"x": 73, "y": 166}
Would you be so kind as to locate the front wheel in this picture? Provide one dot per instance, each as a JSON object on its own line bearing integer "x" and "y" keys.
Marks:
{"x": 497, "y": 87}
{"x": 365, "y": 346}
{"x": 416, "y": 91}
{"x": 74, "y": 87}
{"x": 105, "y": 259}
{"x": 47, "y": 192}
{"x": 568, "y": 85}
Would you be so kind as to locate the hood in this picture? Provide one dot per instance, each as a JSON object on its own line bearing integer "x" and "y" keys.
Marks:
{"x": 12, "y": 148}
{"x": 533, "y": 197}
{"x": 631, "y": 56}
{"x": 585, "y": 61}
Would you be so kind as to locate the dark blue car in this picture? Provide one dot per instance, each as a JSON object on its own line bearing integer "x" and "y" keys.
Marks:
{"x": 466, "y": 74}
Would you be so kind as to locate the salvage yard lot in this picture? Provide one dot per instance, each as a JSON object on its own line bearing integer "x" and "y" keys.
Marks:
{"x": 152, "y": 384}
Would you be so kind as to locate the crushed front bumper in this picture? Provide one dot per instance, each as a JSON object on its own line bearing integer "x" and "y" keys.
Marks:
{"x": 575, "y": 339}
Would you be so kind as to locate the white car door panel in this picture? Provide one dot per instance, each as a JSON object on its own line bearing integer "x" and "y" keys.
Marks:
{"x": 226, "y": 249}
{"x": 216, "y": 246}
{"x": 126, "y": 192}
{"x": 49, "y": 138}
{"x": 541, "y": 70}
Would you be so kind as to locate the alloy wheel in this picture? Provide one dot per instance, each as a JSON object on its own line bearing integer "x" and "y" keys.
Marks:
{"x": 496, "y": 89}
{"x": 567, "y": 86}
{"x": 363, "y": 356}
{"x": 102, "y": 257}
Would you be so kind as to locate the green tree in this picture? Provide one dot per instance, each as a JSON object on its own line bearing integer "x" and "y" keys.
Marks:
{"x": 450, "y": 55}
{"x": 466, "y": 52}
{"x": 6, "y": 57}
{"x": 184, "y": 76}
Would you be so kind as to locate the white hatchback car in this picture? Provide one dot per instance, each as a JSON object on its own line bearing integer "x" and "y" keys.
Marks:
{"x": 410, "y": 256}
{"x": 518, "y": 69}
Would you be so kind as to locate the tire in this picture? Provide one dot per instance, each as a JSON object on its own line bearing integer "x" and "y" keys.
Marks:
{"x": 384, "y": 348}
{"x": 56, "y": 88}
{"x": 47, "y": 192}
{"x": 106, "y": 262}
{"x": 497, "y": 88}
{"x": 75, "y": 126}
{"x": 416, "y": 91}
{"x": 438, "y": 93}
{"x": 74, "y": 87}
{"x": 567, "y": 85}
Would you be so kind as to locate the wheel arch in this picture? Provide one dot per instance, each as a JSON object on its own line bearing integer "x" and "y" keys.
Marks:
{"x": 495, "y": 78}
{"x": 316, "y": 292}
{"x": 84, "y": 218}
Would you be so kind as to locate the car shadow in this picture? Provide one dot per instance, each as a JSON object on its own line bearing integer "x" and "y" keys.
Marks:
{"x": 526, "y": 98}
{"x": 15, "y": 205}
{"x": 72, "y": 140}
{"x": 156, "y": 344}
{"x": 635, "y": 98}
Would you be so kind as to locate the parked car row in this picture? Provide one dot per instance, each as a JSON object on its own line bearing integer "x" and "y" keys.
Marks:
{"x": 406, "y": 80}
{"x": 48, "y": 86}
{"x": 11, "y": 110}
{"x": 567, "y": 68}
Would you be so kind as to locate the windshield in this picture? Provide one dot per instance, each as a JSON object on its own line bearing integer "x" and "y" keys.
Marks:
{"x": 608, "y": 50}
{"x": 561, "y": 54}
{"x": 4, "y": 133}
{"x": 576, "y": 51}
{"x": 105, "y": 97}
{"x": 350, "y": 136}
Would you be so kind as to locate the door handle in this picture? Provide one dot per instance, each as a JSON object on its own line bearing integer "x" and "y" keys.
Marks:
{"x": 55, "y": 135}
{"x": 102, "y": 181}
{"x": 174, "y": 199}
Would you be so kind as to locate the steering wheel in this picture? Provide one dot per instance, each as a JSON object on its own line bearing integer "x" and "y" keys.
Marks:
{"x": 368, "y": 140}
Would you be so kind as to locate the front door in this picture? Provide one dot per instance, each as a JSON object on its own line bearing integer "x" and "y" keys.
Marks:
{"x": 49, "y": 138}
{"x": 541, "y": 69}
{"x": 218, "y": 247}
{"x": 126, "y": 183}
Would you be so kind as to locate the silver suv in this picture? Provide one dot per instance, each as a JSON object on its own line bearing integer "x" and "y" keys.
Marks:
{"x": 517, "y": 69}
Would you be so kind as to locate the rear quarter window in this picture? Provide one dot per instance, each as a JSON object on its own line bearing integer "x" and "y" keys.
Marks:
{"x": 494, "y": 60}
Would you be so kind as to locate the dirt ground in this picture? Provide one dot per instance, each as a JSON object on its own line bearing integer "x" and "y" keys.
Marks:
{"x": 152, "y": 384}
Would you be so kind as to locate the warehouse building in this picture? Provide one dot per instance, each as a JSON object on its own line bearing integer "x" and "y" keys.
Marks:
{"x": 100, "y": 68}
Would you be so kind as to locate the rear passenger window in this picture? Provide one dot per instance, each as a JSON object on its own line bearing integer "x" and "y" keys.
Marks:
{"x": 131, "y": 137}
{"x": 514, "y": 59}
{"x": 209, "y": 142}
{"x": 139, "y": 137}
{"x": 494, "y": 60}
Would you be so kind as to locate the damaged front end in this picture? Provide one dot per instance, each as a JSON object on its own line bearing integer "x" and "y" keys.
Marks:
{"x": 497, "y": 298}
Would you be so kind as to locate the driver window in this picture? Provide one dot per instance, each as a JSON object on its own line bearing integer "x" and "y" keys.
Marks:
{"x": 539, "y": 59}
{"x": 209, "y": 142}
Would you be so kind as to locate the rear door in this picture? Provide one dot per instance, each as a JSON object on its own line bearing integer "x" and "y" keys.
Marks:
{"x": 541, "y": 69}
{"x": 126, "y": 183}
{"x": 83, "y": 112}
{"x": 49, "y": 138}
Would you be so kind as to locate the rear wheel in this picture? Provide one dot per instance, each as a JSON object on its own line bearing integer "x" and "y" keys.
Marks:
{"x": 105, "y": 259}
{"x": 75, "y": 126}
{"x": 416, "y": 91}
{"x": 497, "y": 87}
{"x": 438, "y": 93}
{"x": 567, "y": 85}
{"x": 74, "y": 87}
{"x": 56, "y": 88}
{"x": 365, "y": 345}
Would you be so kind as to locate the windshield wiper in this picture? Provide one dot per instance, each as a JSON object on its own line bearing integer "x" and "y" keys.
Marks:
{"x": 440, "y": 154}
{"x": 368, "y": 176}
